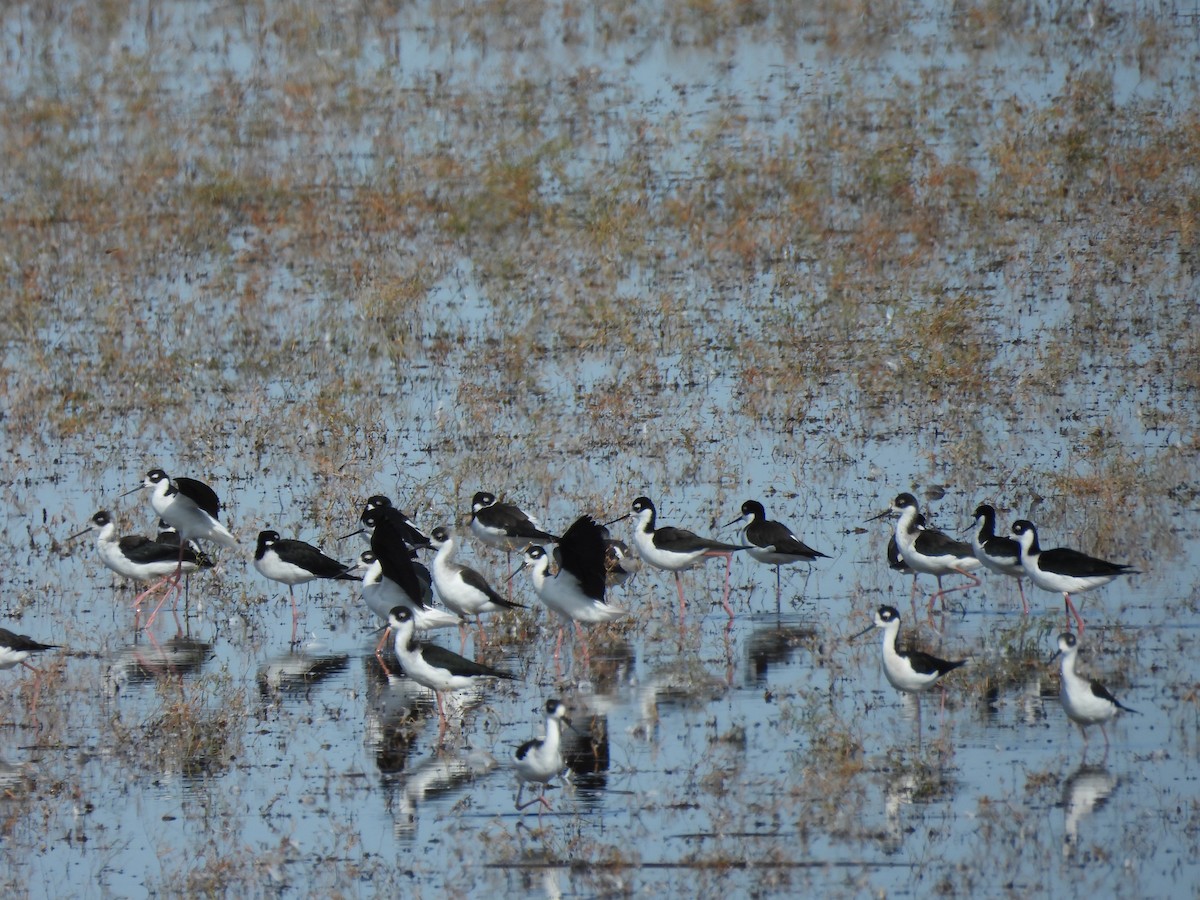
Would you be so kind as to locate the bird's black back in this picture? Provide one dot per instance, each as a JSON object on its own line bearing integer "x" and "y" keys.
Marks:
{"x": 583, "y": 555}
{"x": 200, "y": 494}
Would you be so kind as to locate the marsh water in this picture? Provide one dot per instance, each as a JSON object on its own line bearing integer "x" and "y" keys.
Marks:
{"x": 814, "y": 255}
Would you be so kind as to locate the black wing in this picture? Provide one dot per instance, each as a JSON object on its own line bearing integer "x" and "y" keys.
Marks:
{"x": 22, "y": 642}
{"x": 309, "y": 557}
{"x": 1066, "y": 561}
{"x": 139, "y": 549}
{"x": 477, "y": 581}
{"x": 396, "y": 558}
{"x": 583, "y": 555}
{"x": 200, "y": 494}
{"x": 1103, "y": 693}
{"x": 401, "y": 524}
{"x": 524, "y": 749}
{"x": 680, "y": 540}
{"x": 783, "y": 541}
{"x": 925, "y": 664}
{"x": 513, "y": 522}
{"x": 441, "y": 658}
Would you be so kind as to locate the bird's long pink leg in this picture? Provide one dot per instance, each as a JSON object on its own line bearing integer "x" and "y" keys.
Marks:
{"x": 1072, "y": 611}
{"x": 942, "y": 592}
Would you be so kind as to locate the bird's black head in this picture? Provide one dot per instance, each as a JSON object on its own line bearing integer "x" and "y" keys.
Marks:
{"x": 754, "y": 508}
{"x": 1023, "y": 526}
{"x": 985, "y": 511}
{"x": 1067, "y": 642}
{"x": 482, "y": 499}
{"x": 887, "y": 614}
{"x": 154, "y": 476}
{"x": 555, "y": 707}
{"x": 399, "y": 615}
{"x": 904, "y": 501}
{"x": 378, "y": 501}
{"x": 101, "y": 519}
{"x": 641, "y": 504}
{"x": 367, "y": 558}
{"x": 267, "y": 538}
{"x": 534, "y": 552}
{"x": 441, "y": 534}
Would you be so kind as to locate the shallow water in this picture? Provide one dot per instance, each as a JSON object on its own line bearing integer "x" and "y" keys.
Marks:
{"x": 705, "y": 253}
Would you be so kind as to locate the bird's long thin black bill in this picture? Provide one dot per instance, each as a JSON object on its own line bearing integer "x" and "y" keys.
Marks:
{"x": 860, "y": 634}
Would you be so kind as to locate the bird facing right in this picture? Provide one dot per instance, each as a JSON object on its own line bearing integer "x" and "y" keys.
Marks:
{"x": 1086, "y": 702}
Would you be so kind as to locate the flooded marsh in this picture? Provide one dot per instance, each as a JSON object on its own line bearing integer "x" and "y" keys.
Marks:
{"x": 813, "y": 255}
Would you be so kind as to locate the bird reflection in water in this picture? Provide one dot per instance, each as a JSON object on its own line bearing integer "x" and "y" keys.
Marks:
{"x": 436, "y": 779}
{"x": 775, "y": 645}
{"x": 141, "y": 663}
{"x": 297, "y": 673}
{"x": 1083, "y": 792}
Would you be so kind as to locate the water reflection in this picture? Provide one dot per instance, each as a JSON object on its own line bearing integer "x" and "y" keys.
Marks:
{"x": 686, "y": 684}
{"x": 15, "y": 779}
{"x": 612, "y": 666}
{"x": 396, "y": 707}
{"x": 1083, "y": 792}
{"x": 586, "y": 755}
{"x": 297, "y": 673}
{"x": 140, "y": 663}
{"x": 437, "y": 778}
{"x": 904, "y": 787}
{"x": 774, "y": 644}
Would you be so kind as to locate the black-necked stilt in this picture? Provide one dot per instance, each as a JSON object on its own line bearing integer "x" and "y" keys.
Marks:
{"x": 191, "y": 507}
{"x": 379, "y": 508}
{"x": 504, "y": 525}
{"x": 380, "y": 589}
{"x": 462, "y": 589}
{"x": 576, "y": 592}
{"x": 541, "y": 760}
{"x": 619, "y": 563}
{"x": 895, "y": 561}
{"x": 676, "y": 549}
{"x": 998, "y": 553}
{"x": 929, "y": 551}
{"x": 140, "y": 558}
{"x": 772, "y": 542}
{"x": 15, "y": 649}
{"x": 435, "y": 667}
{"x": 294, "y": 562}
{"x": 1063, "y": 570}
{"x": 911, "y": 671}
{"x": 1086, "y": 702}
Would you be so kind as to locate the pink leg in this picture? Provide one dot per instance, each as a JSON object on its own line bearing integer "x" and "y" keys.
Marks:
{"x": 137, "y": 601}
{"x": 37, "y": 685}
{"x": 295, "y": 611}
{"x": 941, "y": 593}
{"x": 387, "y": 632}
{"x": 166, "y": 595}
{"x": 679, "y": 587}
{"x": 581, "y": 635}
{"x": 1024, "y": 602}
{"x": 443, "y": 722}
{"x": 1072, "y": 611}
